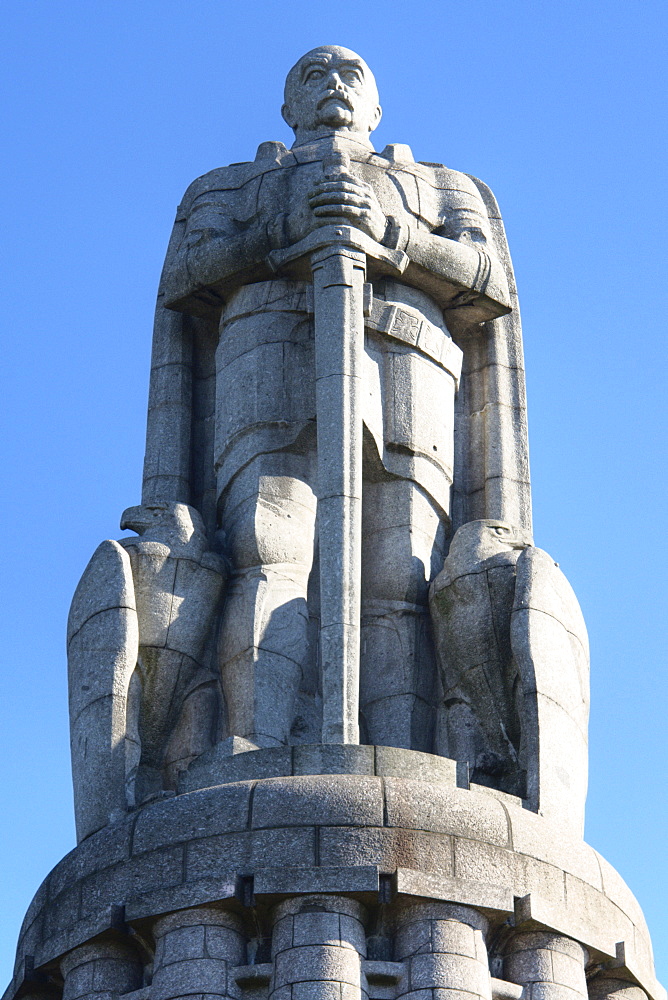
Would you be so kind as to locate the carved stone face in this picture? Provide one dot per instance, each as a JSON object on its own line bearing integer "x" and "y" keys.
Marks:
{"x": 331, "y": 89}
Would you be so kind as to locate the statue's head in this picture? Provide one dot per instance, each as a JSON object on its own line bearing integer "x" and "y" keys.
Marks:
{"x": 331, "y": 89}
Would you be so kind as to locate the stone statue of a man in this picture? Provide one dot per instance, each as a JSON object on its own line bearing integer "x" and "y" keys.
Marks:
{"x": 232, "y": 419}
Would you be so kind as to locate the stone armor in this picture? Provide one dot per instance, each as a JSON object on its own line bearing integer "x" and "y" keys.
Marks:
{"x": 258, "y": 437}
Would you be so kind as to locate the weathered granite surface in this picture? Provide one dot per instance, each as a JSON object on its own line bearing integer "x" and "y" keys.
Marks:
{"x": 385, "y": 848}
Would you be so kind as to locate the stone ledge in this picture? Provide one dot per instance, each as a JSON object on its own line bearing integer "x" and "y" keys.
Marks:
{"x": 229, "y": 762}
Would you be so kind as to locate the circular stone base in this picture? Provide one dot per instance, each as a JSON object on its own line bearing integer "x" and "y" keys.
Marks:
{"x": 378, "y": 837}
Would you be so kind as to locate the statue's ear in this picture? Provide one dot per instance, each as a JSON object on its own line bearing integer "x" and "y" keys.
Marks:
{"x": 288, "y": 118}
{"x": 377, "y": 115}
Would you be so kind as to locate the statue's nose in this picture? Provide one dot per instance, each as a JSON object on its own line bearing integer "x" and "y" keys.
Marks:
{"x": 334, "y": 81}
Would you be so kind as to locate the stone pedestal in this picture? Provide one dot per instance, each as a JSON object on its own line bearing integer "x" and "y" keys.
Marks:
{"x": 378, "y": 878}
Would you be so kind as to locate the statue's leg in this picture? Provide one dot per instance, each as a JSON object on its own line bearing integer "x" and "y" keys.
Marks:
{"x": 268, "y": 517}
{"x": 402, "y": 550}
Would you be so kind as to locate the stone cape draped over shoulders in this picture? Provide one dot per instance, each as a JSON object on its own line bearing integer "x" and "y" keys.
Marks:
{"x": 490, "y": 476}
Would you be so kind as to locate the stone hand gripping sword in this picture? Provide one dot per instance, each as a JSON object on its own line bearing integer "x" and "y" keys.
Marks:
{"x": 338, "y": 256}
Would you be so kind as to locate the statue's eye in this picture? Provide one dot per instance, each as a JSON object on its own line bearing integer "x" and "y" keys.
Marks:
{"x": 315, "y": 74}
{"x": 501, "y": 531}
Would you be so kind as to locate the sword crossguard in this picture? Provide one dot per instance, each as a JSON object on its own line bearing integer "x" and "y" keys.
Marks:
{"x": 346, "y": 237}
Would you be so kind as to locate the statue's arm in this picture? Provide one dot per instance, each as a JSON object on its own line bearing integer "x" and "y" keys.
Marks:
{"x": 214, "y": 248}
{"x": 461, "y": 252}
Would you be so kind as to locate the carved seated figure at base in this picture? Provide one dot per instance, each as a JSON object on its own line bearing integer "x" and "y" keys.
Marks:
{"x": 143, "y": 699}
{"x": 514, "y": 664}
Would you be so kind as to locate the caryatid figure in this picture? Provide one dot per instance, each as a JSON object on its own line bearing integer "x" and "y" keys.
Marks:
{"x": 232, "y": 417}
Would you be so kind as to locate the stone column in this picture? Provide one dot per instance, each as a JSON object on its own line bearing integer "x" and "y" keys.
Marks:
{"x": 194, "y": 951}
{"x": 443, "y": 947}
{"x": 101, "y": 970}
{"x": 549, "y": 966}
{"x": 607, "y": 986}
{"x": 318, "y": 944}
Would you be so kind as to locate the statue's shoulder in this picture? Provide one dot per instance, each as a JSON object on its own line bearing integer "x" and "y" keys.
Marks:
{"x": 235, "y": 176}
{"x": 454, "y": 186}
{"x": 446, "y": 179}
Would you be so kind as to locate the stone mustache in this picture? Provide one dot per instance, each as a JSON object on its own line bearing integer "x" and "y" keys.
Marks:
{"x": 336, "y": 412}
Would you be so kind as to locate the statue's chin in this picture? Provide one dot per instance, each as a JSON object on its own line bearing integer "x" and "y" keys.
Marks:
{"x": 335, "y": 116}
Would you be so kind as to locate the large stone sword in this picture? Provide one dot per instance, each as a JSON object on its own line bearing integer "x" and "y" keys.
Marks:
{"x": 338, "y": 257}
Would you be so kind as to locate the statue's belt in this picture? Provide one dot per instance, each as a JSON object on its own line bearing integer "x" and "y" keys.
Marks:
{"x": 410, "y": 327}
{"x": 397, "y": 320}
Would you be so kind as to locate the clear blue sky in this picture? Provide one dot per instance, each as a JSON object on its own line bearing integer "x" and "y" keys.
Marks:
{"x": 110, "y": 110}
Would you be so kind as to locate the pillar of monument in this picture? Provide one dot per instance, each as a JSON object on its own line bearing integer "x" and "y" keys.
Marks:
{"x": 318, "y": 944}
{"x": 194, "y": 952}
{"x": 548, "y": 966}
{"x": 443, "y": 947}
{"x": 101, "y": 970}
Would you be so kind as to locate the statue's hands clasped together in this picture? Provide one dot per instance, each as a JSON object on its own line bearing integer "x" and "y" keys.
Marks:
{"x": 342, "y": 198}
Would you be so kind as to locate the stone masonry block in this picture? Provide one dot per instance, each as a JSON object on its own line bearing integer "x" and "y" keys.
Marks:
{"x": 63, "y": 912}
{"x": 393, "y": 762}
{"x": 532, "y": 965}
{"x": 454, "y": 938}
{"x": 451, "y": 971}
{"x": 440, "y": 993}
{"x": 567, "y": 970}
{"x": 333, "y": 759}
{"x": 79, "y": 982}
{"x": 533, "y": 836}
{"x": 216, "y": 767}
{"x": 111, "y": 844}
{"x": 317, "y": 991}
{"x": 157, "y": 869}
{"x": 413, "y": 938}
{"x": 387, "y": 848}
{"x": 353, "y": 992}
{"x": 282, "y": 935}
{"x": 35, "y": 909}
{"x": 223, "y": 943}
{"x": 519, "y": 873}
{"x": 312, "y": 963}
{"x": 188, "y": 817}
{"x": 594, "y": 918}
{"x": 554, "y": 991}
{"x": 284, "y": 993}
{"x": 245, "y": 852}
{"x": 202, "y": 975}
{"x": 464, "y": 891}
{"x": 328, "y": 800}
{"x": 273, "y": 881}
{"x": 616, "y": 889}
{"x": 181, "y": 944}
{"x": 317, "y": 928}
{"x": 191, "y": 893}
{"x": 352, "y": 934}
{"x": 114, "y": 976}
{"x": 445, "y": 810}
